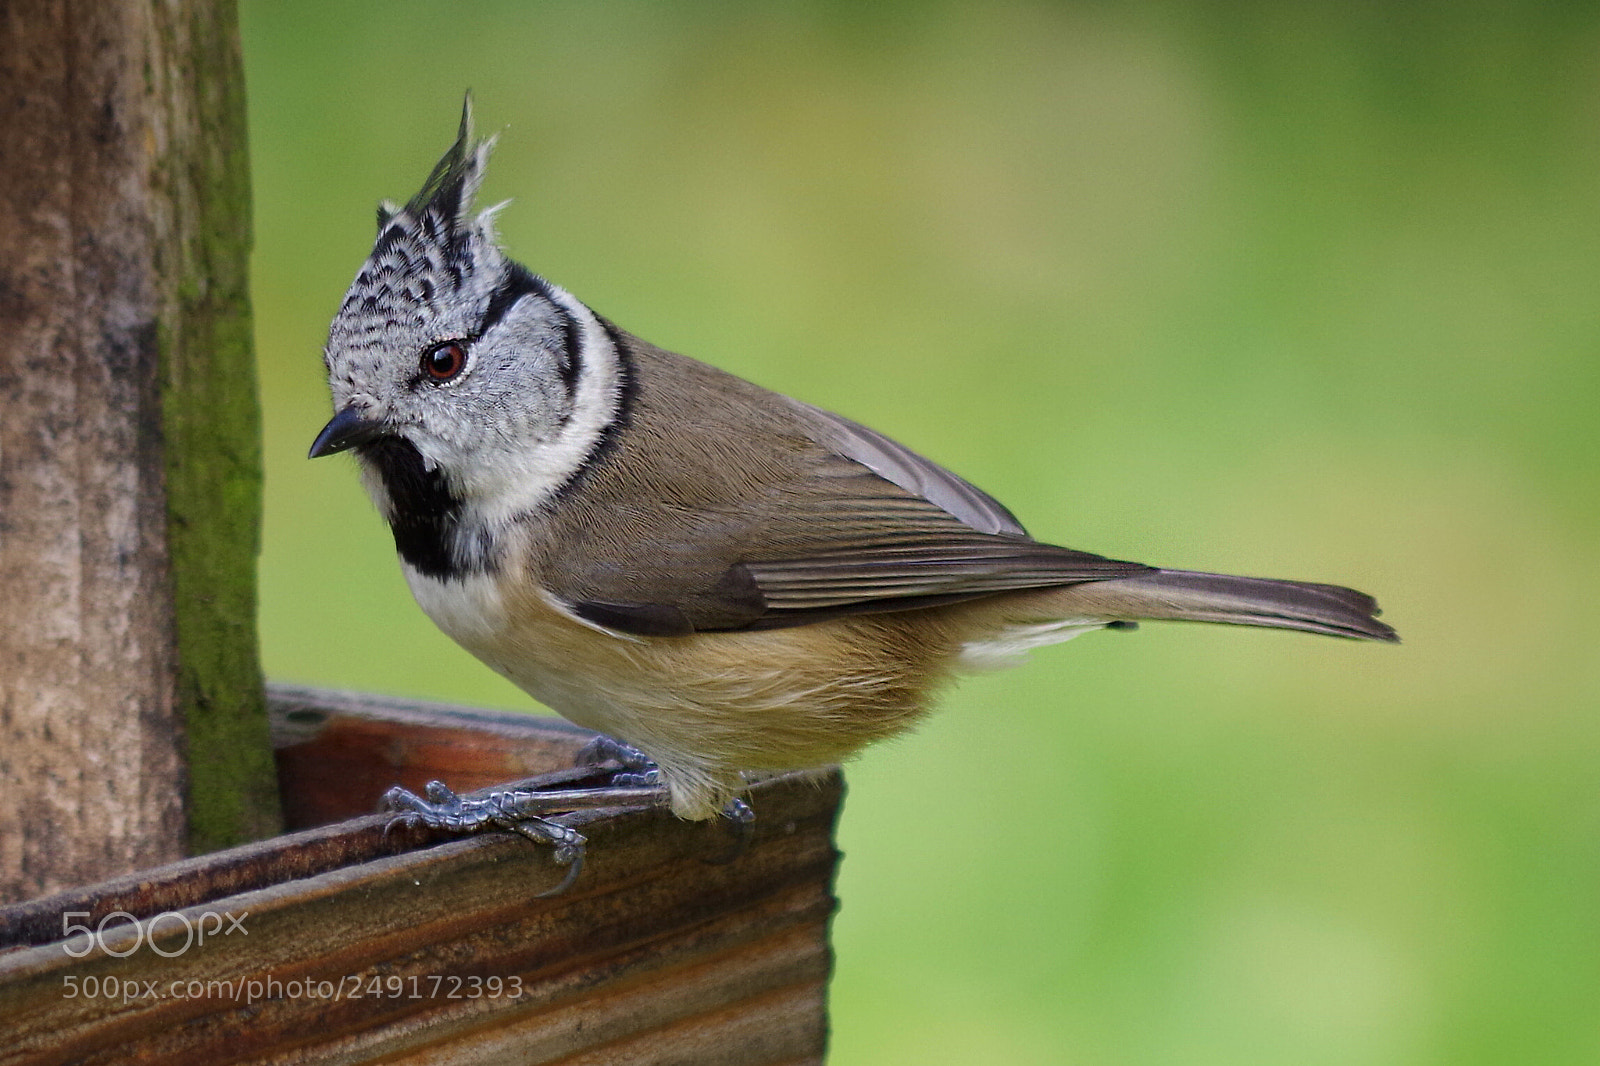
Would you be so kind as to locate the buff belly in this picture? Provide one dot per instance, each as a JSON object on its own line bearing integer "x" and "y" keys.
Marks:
{"x": 705, "y": 706}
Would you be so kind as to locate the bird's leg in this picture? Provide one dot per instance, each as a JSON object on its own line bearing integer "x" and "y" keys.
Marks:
{"x": 639, "y": 769}
{"x": 520, "y": 811}
{"x": 526, "y": 811}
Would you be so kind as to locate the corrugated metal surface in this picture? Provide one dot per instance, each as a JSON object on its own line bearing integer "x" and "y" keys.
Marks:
{"x": 349, "y": 948}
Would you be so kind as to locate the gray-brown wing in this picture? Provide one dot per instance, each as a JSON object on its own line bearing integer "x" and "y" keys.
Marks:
{"x": 827, "y": 518}
{"x": 921, "y": 477}
{"x": 841, "y": 543}
{"x": 938, "y": 539}
{"x": 890, "y": 547}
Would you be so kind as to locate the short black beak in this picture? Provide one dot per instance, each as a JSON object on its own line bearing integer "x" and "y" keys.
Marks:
{"x": 344, "y": 430}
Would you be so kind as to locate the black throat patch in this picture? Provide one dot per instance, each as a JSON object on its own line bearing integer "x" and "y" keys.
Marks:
{"x": 425, "y": 516}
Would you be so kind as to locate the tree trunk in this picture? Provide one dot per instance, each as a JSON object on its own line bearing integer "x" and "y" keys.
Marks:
{"x": 131, "y": 710}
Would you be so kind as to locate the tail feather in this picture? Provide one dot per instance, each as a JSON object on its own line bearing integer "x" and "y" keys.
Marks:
{"x": 1189, "y": 596}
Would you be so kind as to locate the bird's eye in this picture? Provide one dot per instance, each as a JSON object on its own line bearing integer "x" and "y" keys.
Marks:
{"x": 444, "y": 361}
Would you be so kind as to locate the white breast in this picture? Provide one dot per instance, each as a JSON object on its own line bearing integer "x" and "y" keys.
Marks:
{"x": 469, "y": 609}
{"x": 535, "y": 650}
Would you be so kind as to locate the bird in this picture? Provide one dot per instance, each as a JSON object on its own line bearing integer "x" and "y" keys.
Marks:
{"x": 720, "y": 579}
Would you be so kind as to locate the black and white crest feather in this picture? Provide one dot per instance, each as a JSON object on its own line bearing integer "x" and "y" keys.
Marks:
{"x": 454, "y": 181}
{"x": 431, "y": 253}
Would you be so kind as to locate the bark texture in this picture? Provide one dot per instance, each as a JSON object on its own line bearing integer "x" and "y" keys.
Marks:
{"x": 131, "y": 717}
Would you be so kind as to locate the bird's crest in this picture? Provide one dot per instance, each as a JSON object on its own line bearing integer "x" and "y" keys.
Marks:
{"x": 435, "y": 248}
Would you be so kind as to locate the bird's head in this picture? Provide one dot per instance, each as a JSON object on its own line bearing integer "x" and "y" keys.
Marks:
{"x": 453, "y": 366}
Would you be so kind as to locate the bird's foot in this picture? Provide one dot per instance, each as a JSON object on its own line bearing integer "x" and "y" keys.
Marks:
{"x": 528, "y": 811}
{"x": 740, "y": 818}
{"x": 522, "y": 811}
{"x": 637, "y": 767}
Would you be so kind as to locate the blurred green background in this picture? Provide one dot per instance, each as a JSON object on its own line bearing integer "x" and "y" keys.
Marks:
{"x": 1300, "y": 290}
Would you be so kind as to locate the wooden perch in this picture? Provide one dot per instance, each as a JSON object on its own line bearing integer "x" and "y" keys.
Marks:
{"x": 350, "y": 944}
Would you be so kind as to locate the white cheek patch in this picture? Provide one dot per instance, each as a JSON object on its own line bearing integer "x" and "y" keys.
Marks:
{"x": 509, "y": 482}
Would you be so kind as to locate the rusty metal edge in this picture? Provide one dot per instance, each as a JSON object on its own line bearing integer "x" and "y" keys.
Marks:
{"x": 331, "y": 859}
{"x": 287, "y": 706}
{"x": 362, "y": 884}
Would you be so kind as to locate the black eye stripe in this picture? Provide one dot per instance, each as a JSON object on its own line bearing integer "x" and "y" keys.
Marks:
{"x": 518, "y": 282}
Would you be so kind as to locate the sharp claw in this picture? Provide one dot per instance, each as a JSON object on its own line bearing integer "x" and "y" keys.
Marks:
{"x": 574, "y": 867}
{"x": 741, "y": 817}
{"x": 739, "y": 812}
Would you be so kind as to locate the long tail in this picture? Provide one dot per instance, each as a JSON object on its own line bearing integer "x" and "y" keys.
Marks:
{"x": 1187, "y": 596}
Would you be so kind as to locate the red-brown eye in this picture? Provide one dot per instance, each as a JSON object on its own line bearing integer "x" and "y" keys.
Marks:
{"x": 444, "y": 361}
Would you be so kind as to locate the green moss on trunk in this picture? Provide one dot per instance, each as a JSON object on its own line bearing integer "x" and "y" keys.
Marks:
{"x": 212, "y": 433}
